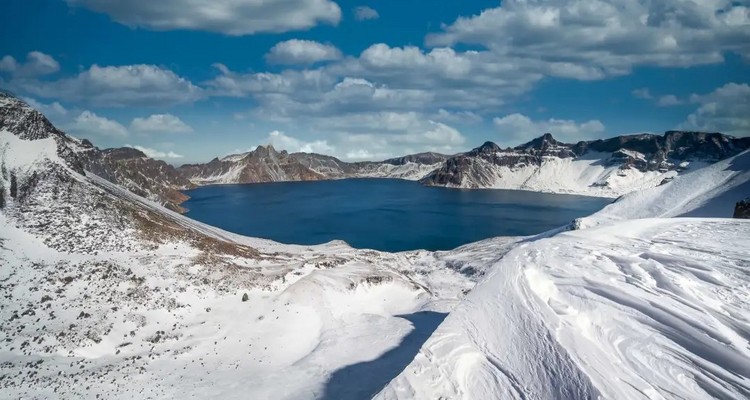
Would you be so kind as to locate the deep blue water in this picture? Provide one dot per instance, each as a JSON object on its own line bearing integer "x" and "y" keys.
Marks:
{"x": 382, "y": 214}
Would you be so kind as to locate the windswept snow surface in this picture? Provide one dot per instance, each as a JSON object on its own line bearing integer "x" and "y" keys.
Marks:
{"x": 653, "y": 309}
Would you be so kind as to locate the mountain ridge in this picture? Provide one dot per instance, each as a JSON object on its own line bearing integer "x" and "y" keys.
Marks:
{"x": 607, "y": 167}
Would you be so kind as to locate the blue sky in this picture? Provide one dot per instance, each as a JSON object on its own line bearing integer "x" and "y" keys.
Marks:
{"x": 190, "y": 80}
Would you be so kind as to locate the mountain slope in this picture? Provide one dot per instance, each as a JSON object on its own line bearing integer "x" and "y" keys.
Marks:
{"x": 607, "y": 168}
{"x": 125, "y": 166}
{"x": 712, "y": 191}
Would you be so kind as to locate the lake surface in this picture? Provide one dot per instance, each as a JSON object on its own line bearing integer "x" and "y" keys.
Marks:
{"x": 382, "y": 214}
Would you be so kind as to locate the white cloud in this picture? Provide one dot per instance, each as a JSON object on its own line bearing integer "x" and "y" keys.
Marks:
{"x": 380, "y": 135}
{"x": 280, "y": 141}
{"x": 724, "y": 110}
{"x": 642, "y": 93}
{"x": 160, "y": 123}
{"x": 290, "y": 82}
{"x": 364, "y": 13}
{"x": 297, "y": 51}
{"x": 669, "y": 101}
{"x": 88, "y": 123}
{"x": 605, "y": 37}
{"x": 130, "y": 85}
{"x": 231, "y": 17}
{"x": 37, "y": 64}
{"x": 518, "y": 127}
{"x": 153, "y": 153}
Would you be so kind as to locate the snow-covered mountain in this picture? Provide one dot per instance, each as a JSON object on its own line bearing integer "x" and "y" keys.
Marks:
{"x": 607, "y": 168}
{"x": 266, "y": 164}
{"x": 127, "y": 167}
{"x": 108, "y": 294}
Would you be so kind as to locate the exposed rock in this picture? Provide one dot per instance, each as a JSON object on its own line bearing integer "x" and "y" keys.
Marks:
{"x": 742, "y": 209}
{"x": 130, "y": 168}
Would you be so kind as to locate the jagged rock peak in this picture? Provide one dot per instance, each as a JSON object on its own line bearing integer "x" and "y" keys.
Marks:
{"x": 486, "y": 148}
{"x": 268, "y": 148}
{"x": 541, "y": 143}
{"x": 22, "y": 120}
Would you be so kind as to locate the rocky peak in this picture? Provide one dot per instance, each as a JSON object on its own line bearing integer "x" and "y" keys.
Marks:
{"x": 23, "y": 121}
{"x": 485, "y": 149}
{"x": 265, "y": 151}
{"x": 541, "y": 143}
{"x": 547, "y": 145}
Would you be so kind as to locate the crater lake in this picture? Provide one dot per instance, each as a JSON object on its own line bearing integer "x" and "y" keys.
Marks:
{"x": 382, "y": 214}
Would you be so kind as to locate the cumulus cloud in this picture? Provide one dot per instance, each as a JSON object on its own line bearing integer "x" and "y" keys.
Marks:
{"x": 380, "y": 135}
{"x": 160, "y": 123}
{"x": 153, "y": 153}
{"x": 669, "y": 101}
{"x": 231, "y": 17}
{"x": 297, "y": 51}
{"x": 602, "y": 38}
{"x": 130, "y": 85}
{"x": 280, "y": 141}
{"x": 37, "y": 64}
{"x": 289, "y": 82}
{"x": 88, "y": 123}
{"x": 516, "y": 127}
{"x": 725, "y": 110}
{"x": 364, "y": 13}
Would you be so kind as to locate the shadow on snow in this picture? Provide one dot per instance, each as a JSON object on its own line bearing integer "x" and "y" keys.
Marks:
{"x": 364, "y": 380}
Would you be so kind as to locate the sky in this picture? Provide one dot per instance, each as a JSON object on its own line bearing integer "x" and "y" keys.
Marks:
{"x": 189, "y": 80}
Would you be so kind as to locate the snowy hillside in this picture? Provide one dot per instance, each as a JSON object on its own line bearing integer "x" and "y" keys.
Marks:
{"x": 586, "y": 175}
{"x": 603, "y": 168}
{"x": 712, "y": 191}
{"x": 653, "y": 308}
{"x": 108, "y": 294}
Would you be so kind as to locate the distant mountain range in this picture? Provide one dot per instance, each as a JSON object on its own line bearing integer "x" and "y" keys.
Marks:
{"x": 604, "y": 167}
